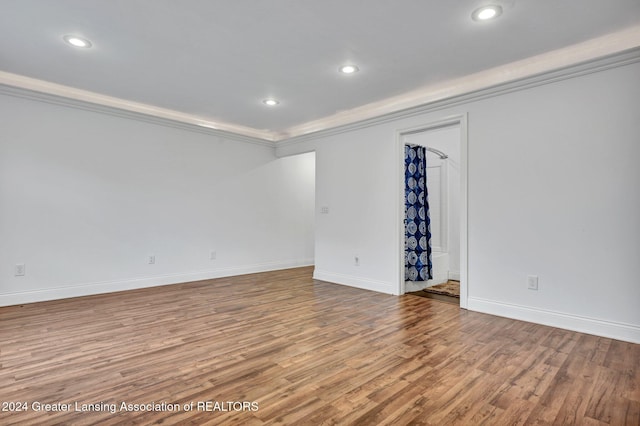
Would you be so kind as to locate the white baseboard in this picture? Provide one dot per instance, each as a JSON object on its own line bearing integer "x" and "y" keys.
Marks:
{"x": 353, "y": 281}
{"x": 88, "y": 289}
{"x": 454, "y": 275}
{"x": 597, "y": 327}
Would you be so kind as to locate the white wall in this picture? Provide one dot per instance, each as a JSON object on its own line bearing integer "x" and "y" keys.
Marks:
{"x": 354, "y": 178}
{"x": 86, "y": 197}
{"x": 552, "y": 191}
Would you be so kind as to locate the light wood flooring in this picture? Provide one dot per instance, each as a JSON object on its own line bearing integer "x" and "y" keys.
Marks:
{"x": 307, "y": 353}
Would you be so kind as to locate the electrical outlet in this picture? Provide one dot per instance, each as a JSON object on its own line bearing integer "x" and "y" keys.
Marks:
{"x": 213, "y": 255}
{"x": 20, "y": 270}
{"x": 532, "y": 282}
{"x": 356, "y": 261}
{"x": 152, "y": 260}
{"x": 324, "y": 210}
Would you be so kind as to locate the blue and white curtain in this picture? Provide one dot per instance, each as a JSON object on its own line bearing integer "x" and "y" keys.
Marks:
{"x": 417, "y": 242}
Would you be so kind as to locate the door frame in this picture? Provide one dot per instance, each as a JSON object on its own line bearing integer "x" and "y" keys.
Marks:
{"x": 459, "y": 120}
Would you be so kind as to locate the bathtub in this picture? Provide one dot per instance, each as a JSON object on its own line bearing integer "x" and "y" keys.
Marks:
{"x": 440, "y": 272}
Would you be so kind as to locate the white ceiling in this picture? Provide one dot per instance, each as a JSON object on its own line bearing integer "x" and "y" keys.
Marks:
{"x": 216, "y": 60}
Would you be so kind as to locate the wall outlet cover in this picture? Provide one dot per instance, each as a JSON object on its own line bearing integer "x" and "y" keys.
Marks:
{"x": 20, "y": 270}
{"x": 532, "y": 282}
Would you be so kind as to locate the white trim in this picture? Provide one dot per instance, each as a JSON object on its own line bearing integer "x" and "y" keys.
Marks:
{"x": 88, "y": 289}
{"x": 597, "y": 327}
{"x": 611, "y": 50}
{"x": 461, "y": 122}
{"x": 354, "y": 281}
{"x": 43, "y": 91}
{"x": 451, "y": 94}
{"x": 537, "y": 65}
{"x": 399, "y": 222}
{"x": 464, "y": 212}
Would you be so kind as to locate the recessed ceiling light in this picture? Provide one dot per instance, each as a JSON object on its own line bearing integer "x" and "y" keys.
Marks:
{"x": 485, "y": 13}
{"x": 76, "y": 41}
{"x": 270, "y": 102}
{"x": 348, "y": 69}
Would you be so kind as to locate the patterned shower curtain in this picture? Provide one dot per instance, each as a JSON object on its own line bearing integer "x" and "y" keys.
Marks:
{"x": 417, "y": 241}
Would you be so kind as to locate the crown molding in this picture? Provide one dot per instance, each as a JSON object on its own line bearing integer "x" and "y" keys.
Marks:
{"x": 44, "y": 91}
{"x": 593, "y": 55}
{"x": 602, "y": 64}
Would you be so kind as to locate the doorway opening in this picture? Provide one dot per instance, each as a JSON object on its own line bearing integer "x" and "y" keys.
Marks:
{"x": 446, "y": 173}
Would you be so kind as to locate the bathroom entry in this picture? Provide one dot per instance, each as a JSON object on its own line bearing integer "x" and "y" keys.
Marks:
{"x": 443, "y": 174}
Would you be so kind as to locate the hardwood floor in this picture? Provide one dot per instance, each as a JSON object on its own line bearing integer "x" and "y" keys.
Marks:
{"x": 302, "y": 352}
